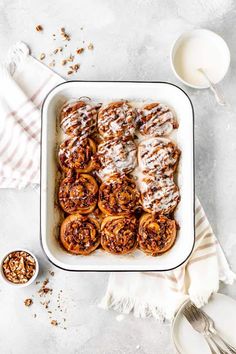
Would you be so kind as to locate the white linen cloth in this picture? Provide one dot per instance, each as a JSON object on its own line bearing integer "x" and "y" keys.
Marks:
{"x": 24, "y": 82}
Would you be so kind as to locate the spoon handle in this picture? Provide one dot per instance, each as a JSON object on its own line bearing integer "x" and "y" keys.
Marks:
{"x": 217, "y": 93}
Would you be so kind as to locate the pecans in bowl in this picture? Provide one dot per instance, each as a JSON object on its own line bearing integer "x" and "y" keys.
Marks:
{"x": 19, "y": 267}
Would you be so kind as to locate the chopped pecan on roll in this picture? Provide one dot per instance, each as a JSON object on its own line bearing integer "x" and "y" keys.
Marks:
{"x": 78, "y": 193}
{"x": 156, "y": 235}
{"x": 80, "y": 234}
{"x": 77, "y": 154}
{"x": 116, "y": 119}
{"x": 119, "y": 234}
{"x": 117, "y": 155}
{"x": 156, "y": 119}
{"x": 118, "y": 195}
{"x": 79, "y": 118}
{"x": 159, "y": 195}
{"x": 158, "y": 155}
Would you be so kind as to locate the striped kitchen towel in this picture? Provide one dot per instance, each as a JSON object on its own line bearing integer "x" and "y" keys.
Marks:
{"x": 159, "y": 295}
{"x": 24, "y": 82}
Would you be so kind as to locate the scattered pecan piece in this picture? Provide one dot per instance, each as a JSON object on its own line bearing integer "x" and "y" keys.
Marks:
{"x": 28, "y": 302}
{"x": 91, "y": 46}
{"x": 79, "y": 51}
{"x": 71, "y": 58}
{"x": 42, "y": 56}
{"x": 65, "y": 36}
{"x": 75, "y": 67}
{"x": 39, "y": 28}
{"x": 52, "y": 64}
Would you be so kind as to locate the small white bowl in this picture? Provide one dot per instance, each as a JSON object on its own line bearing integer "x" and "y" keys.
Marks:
{"x": 31, "y": 280}
{"x": 205, "y": 35}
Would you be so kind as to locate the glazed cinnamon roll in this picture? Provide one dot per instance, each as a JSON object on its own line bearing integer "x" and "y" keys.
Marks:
{"x": 158, "y": 155}
{"x": 116, "y": 119}
{"x": 156, "y": 235}
{"x": 156, "y": 119}
{"x": 77, "y": 154}
{"x": 78, "y": 118}
{"x": 118, "y": 196}
{"x": 80, "y": 234}
{"x": 78, "y": 193}
{"x": 119, "y": 234}
{"x": 160, "y": 195}
{"x": 117, "y": 155}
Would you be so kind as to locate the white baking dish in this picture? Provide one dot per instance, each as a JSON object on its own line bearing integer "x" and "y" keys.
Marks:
{"x": 50, "y": 213}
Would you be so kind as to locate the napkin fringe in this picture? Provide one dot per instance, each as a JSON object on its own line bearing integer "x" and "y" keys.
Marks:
{"x": 202, "y": 299}
{"x": 16, "y": 56}
{"x": 126, "y": 305}
{"x": 229, "y": 277}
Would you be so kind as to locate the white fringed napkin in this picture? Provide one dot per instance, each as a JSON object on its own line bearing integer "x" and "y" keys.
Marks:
{"x": 159, "y": 295}
{"x": 24, "y": 82}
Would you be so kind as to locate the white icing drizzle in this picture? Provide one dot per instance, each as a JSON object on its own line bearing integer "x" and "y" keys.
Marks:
{"x": 82, "y": 120}
{"x": 157, "y": 120}
{"x": 158, "y": 155}
{"x": 117, "y": 156}
{"x": 159, "y": 194}
{"x": 119, "y": 120}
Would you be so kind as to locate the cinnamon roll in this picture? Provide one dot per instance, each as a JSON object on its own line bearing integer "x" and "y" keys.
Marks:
{"x": 156, "y": 119}
{"x": 156, "y": 235}
{"x": 116, "y": 119}
{"x": 117, "y": 155}
{"x": 78, "y": 118}
{"x": 160, "y": 195}
{"x": 78, "y": 193}
{"x": 77, "y": 154}
{"x": 158, "y": 155}
{"x": 119, "y": 234}
{"x": 80, "y": 234}
{"x": 118, "y": 195}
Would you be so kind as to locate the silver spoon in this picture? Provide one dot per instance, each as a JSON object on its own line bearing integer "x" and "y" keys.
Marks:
{"x": 218, "y": 95}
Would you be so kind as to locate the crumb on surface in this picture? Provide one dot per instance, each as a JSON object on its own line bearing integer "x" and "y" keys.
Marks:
{"x": 75, "y": 67}
{"x": 79, "y": 50}
{"x": 52, "y": 64}
{"x": 39, "y": 28}
{"x": 120, "y": 317}
{"x": 54, "y": 323}
{"x": 71, "y": 58}
{"x": 28, "y": 302}
{"x": 65, "y": 36}
{"x": 42, "y": 56}
{"x": 90, "y": 46}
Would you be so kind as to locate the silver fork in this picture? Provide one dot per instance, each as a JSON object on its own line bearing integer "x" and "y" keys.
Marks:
{"x": 198, "y": 322}
{"x": 213, "y": 331}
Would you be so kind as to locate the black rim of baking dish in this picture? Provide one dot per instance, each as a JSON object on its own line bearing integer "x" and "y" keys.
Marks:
{"x": 118, "y": 270}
